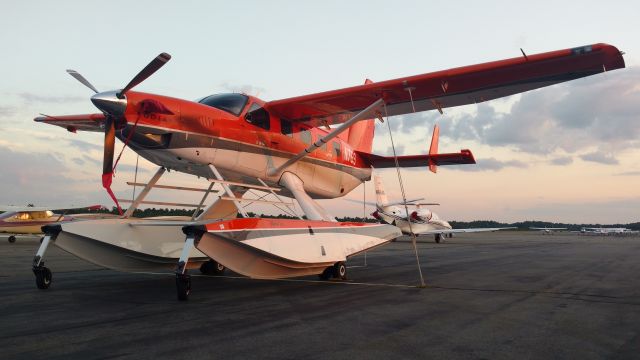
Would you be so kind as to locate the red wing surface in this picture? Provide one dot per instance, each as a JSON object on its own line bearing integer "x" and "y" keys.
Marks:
{"x": 454, "y": 87}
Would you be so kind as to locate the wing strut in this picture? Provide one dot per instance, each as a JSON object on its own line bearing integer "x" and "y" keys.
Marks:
{"x": 230, "y": 193}
{"x": 362, "y": 115}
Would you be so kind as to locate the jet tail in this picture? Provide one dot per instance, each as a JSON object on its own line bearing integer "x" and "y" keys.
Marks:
{"x": 381, "y": 196}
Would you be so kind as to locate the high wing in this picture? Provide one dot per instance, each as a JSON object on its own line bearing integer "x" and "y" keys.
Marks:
{"x": 455, "y": 231}
{"x": 454, "y": 87}
{"x": 18, "y": 208}
{"x": 73, "y": 123}
{"x": 377, "y": 161}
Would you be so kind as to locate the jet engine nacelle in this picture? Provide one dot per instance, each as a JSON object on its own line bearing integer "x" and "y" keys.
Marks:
{"x": 421, "y": 215}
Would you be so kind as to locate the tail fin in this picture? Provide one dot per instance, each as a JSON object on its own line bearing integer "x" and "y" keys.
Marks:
{"x": 433, "y": 150}
{"x": 361, "y": 133}
{"x": 381, "y": 196}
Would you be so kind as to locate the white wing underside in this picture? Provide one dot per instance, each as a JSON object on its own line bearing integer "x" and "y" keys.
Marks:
{"x": 454, "y": 231}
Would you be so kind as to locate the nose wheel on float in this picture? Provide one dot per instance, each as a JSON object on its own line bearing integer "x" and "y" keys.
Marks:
{"x": 183, "y": 285}
{"x": 43, "y": 274}
{"x": 183, "y": 279}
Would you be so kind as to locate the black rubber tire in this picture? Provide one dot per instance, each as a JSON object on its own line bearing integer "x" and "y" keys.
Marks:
{"x": 219, "y": 269}
{"x": 11, "y": 239}
{"x": 183, "y": 286}
{"x": 340, "y": 271}
{"x": 43, "y": 278}
{"x": 438, "y": 238}
{"x": 326, "y": 274}
{"x": 205, "y": 268}
{"x": 212, "y": 268}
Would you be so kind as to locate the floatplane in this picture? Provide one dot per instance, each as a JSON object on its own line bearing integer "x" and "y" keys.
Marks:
{"x": 315, "y": 146}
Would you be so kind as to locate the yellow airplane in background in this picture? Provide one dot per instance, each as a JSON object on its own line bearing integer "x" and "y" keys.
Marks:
{"x": 28, "y": 220}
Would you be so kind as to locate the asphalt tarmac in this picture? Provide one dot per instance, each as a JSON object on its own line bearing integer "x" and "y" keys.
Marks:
{"x": 507, "y": 295}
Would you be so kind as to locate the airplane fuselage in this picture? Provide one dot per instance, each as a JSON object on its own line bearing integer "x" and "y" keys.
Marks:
{"x": 422, "y": 220}
{"x": 27, "y": 222}
{"x": 195, "y": 135}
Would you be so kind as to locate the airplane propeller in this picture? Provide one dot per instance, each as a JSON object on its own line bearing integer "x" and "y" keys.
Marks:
{"x": 82, "y": 79}
{"x": 113, "y": 105}
{"x": 148, "y": 70}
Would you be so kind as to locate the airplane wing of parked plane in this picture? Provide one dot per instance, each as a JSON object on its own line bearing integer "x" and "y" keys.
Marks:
{"x": 547, "y": 228}
{"x": 453, "y": 87}
{"x": 456, "y": 231}
{"x": 20, "y": 208}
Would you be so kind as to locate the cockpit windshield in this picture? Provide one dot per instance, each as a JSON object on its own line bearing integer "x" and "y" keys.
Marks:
{"x": 232, "y": 103}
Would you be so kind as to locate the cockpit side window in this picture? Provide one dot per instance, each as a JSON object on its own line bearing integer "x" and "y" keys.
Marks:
{"x": 286, "y": 127}
{"x": 258, "y": 116}
{"x": 231, "y": 103}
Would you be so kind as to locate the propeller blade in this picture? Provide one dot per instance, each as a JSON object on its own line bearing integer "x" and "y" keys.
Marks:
{"x": 151, "y": 68}
{"x": 107, "y": 161}
{"x": 81, "y": 78}
{"x": 109, "y": 146}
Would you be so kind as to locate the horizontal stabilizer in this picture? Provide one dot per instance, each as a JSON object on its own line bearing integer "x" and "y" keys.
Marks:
{"x": 377, "y": 161}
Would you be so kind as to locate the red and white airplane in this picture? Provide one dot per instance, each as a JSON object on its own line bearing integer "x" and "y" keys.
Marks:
{"x": 288, "y": 145}
{"x": 29, "y": 220}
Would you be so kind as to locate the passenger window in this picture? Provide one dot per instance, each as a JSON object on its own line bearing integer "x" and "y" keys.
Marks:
{"x": 305, "y": 137}
{"x": 23, "y": 216}
{"x": 258, "y": 116}
{"x": 336, "y": 148}
{"x": 286, "y": 127}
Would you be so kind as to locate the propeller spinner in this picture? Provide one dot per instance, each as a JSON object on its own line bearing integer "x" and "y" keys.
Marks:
{"x": 113, "y": 105}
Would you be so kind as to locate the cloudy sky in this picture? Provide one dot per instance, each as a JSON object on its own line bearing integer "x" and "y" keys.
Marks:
{"x": 567, "y": 153}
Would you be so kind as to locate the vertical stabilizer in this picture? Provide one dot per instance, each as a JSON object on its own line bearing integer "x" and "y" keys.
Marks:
{"x": 381, "y": 196}
{"x": 360, "y": 135}
{"x": 433, "y": 150}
